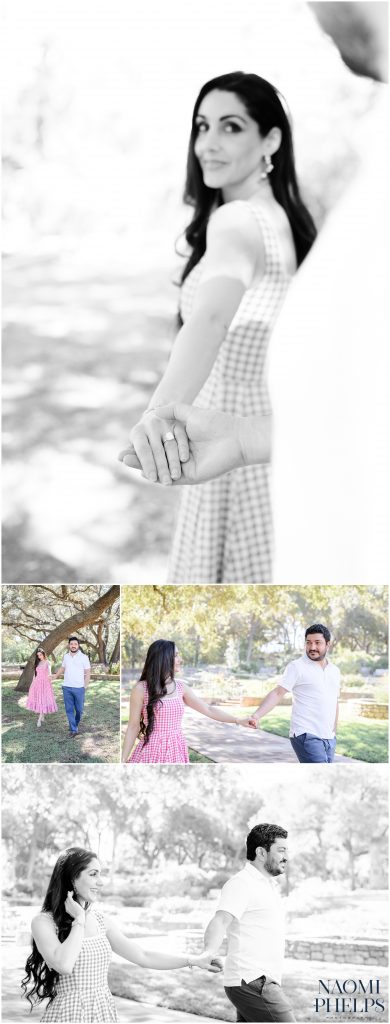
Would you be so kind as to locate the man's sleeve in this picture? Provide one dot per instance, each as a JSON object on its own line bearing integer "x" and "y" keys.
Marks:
{"x": 234, "y": 898}
{"x": 289, "y": 677}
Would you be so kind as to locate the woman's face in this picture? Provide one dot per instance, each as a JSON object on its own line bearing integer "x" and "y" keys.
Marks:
{"x": 228, "y": 145}
{"x": 41, "y": 655}
{"x": 178, "y": 661}
{"x": 89, "y": 882}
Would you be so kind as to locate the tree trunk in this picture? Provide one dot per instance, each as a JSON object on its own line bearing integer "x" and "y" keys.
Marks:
{"x": 378, "y": 863}
{"x": 83, "y": 618}
{"x": 249, "y": 647}
{"x": 115, "y": 656}
{"x": 102, "y": 653}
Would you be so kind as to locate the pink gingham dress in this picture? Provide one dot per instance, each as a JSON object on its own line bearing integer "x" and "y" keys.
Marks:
{"x": 224, "y": 527}
{"x": 166, "y": 744}
{"x": 41, "y": 695}
{"x": 84, "y": 995}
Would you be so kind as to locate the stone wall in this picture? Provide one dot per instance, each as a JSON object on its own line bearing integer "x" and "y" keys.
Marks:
{"x": 338, "y": 950}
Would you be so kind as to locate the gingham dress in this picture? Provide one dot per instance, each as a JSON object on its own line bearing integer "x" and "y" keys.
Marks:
{"x": 166, "y": 745}
{"x": 41, "y": 695}
{"x": 224, "y": 527}
{"x": 84, "y": 994}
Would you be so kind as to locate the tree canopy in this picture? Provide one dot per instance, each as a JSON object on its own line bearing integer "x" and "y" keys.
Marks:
{"x": 208, "y": 621}
{"x": 45, "y": 614}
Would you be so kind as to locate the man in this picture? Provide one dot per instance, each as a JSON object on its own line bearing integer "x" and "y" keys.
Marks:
{"x": 250, "y": 913}
{"x": 77, "y": 671}
{"x": 314, "y": 684}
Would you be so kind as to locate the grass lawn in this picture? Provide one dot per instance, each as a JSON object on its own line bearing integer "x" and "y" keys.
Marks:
{"x": 98, "y": 740}
{"x": 194, "y": 756}
{"x": 201, "y": 993}
{"x": 364, "y": 739}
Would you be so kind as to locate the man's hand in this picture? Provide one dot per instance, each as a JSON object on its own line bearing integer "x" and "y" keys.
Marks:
{"x": 159, "y": 446}
{"x": 214, "y": 444}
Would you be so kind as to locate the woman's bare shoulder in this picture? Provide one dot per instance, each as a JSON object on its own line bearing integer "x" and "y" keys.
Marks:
{"x": 43, "y": 918}
{"x": 138, "y": 687}
{"x": 235, "y": 215}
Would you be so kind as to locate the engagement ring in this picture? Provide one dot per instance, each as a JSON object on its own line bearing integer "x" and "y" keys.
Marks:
{"x": 169, "y": 436}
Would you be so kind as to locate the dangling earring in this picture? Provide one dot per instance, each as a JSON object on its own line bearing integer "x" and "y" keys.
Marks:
{"x": 268, "y": 166}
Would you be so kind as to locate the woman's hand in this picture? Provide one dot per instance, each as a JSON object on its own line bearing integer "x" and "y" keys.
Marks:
{"x": 160, "y": 447}
{"x": 73, "y": 908}
{"x": 207, "y": 962}
{"x": 250, "y": 723}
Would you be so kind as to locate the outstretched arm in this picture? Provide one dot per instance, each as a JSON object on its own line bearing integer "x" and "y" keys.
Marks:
{"x": 200, "y": 705}
{"x": 270, "y": 701}
{"x": 228, "y": 269}
{"x": 216, "y": 931}
{"x": 131, "y": 951}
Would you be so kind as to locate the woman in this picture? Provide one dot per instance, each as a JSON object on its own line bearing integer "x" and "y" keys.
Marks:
{"x": 72, "y": 946}
{"x": 157, "y": 705}
{"x": 41, "y": 695}
{"x": 249, "y": 232}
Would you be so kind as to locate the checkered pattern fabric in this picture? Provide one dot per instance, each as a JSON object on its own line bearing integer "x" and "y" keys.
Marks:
{"x": 41, "y": 695}
{"x": 166, "y": 744}
{"x": 84, "y": 994}
{"x": 224, "y": 527}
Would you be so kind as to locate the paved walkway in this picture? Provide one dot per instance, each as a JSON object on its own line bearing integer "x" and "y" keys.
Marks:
{"x": 233, "y": 743}
{"x": 16, "y": 1008}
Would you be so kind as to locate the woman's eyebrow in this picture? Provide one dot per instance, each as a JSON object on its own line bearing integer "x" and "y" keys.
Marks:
{"x": 225, "y": 117}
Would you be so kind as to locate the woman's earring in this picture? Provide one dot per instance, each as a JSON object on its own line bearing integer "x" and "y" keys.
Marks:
{"x": 268, "y": 166}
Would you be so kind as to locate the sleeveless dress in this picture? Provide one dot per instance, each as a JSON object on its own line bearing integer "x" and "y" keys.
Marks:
{"x": 224, "y": 526}
{"x": 166, "y": 745}
{"x": 41, "y": 695}
{"x": 84, "y": 994}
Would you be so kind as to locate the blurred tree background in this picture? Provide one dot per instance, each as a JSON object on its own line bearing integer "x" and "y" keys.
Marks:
{"x": 96, "y": 119}
{"x": 255, "y": 628}
{"x": 49, "y": 614}
{"x": 337, "y": 825}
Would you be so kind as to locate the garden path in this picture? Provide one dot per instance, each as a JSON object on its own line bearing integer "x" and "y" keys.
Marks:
{"x": 230, "y": 743}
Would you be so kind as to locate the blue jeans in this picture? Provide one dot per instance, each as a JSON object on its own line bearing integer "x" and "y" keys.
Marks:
{"x": 74, "y": 697}
{"x": 312, "y": 749}
{"x": 260, "y": 1000}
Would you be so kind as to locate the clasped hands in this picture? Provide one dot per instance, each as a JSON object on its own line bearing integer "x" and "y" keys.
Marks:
{"x": 184, "y": 444}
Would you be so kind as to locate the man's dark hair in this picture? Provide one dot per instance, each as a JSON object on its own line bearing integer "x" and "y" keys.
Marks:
{"x": 263, "y": 835}
{"x": 318, "y": 628}
{"x": 73, "y": 638}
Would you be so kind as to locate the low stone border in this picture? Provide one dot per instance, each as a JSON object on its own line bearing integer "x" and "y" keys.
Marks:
{"x": 338, "y": 950}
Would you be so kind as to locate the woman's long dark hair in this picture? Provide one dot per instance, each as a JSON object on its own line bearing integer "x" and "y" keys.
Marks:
{"x": 38, "y": 660}
{"x": 42, "y": 978}
{"x": 158, "y": 668}
{"x": 264, "y": 106}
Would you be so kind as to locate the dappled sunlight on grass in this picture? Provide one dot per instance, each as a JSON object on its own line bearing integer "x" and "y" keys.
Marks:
{"x": 68, "y": 501}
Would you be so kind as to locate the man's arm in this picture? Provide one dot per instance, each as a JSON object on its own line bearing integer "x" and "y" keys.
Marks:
{"x": 270, "y": 701}
{"x": 216, "y": 930}
{"x": 59, "y": 672}
{"x": 219, "y": 442}
{"x": 87, "y": 676}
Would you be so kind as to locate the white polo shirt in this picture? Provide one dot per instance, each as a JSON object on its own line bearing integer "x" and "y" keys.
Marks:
{"x": 315, "y": 692}
{"x": 75, "y": 666}
{"x": 256, "y": 936}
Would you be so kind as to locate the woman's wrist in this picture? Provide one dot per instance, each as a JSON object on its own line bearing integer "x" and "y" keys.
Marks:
{"x": 79, "y": 921}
